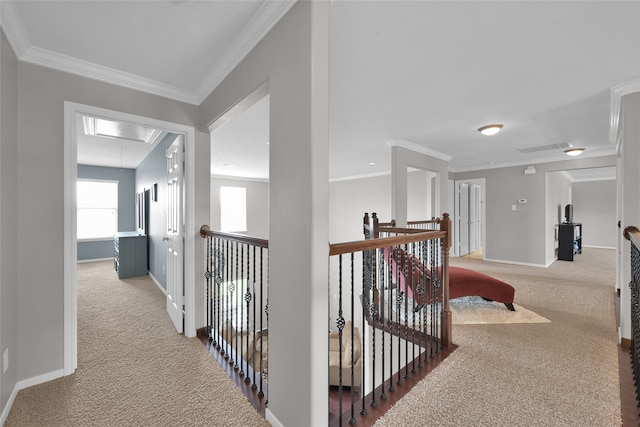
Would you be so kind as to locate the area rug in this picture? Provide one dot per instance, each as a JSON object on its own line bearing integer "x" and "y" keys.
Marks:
{"x": 477, "y": 311}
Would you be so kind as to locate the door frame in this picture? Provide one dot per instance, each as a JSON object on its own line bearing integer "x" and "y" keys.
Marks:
{"x": 483, "y": 211}
{"x": 71, "y": 112}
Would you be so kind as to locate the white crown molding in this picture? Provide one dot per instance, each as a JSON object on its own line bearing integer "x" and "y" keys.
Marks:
{"x": 262, "y": 22}
{"x": 362, "y": 176}
{"x": 396, "y": 142}
{"x": 558, "y": 158}
{"x": 13, "y": 28}
{"x": 67, "y": 64}
{"x": 21, "y": 44}
{"x": 617, "y": 92}
{"x": 238, "y": 178}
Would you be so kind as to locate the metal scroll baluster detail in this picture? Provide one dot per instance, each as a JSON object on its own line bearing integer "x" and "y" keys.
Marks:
{"x": 352, "y": 419}
{"x": 634, "y": 285}
{"x": 340, "y": 322}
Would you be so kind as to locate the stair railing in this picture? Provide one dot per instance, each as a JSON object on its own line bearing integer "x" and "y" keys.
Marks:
{"x": 237, "y": 290}
{"x": 389, "y": 293}
{"x": 632, "y": 234}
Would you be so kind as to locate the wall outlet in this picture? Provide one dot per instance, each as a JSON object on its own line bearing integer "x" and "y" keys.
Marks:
{"x": 514, "y": 207}
{"x": 5, "y": 360}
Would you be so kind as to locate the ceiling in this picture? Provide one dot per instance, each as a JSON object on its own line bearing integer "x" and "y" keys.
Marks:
{"x": 423, "y": 74}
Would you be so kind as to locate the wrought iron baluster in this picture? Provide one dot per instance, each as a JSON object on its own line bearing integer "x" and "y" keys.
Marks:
{"x": 352, "y": 419}
{"x": 367, "y": 287}
{"x": 207, "y": 276}
{"x": 340, "y": 325}
{"x": 253, "y": 335}
{"x": 266, "y": 312}
{"x": 385, "y": 274}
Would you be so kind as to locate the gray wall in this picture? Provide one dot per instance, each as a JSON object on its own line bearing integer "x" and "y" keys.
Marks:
{"x": 100, "y": 249}
{"x": 506, "y": 230}
{"x": 628, "y": 175}
{"x": 153, "y": 170}
{"x": 8, "y": 218}
{"x": 41, "y": 96}
{"x": 257, "y": 205}
{"x": 594, "y": 205}
{"x": 293, "y": 60}
{"x": 557, "y": 190}
{"x": 349, "y": 200}
{"x": 401, "y": 159}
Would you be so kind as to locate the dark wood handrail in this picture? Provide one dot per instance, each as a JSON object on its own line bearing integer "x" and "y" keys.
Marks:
{"x": 632, "y": 233}
{"x": 205, "y": 232}
{"x": 364, "y": 245}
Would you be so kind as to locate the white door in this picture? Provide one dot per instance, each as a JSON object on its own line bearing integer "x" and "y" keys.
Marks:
{"x": 175, "y": 276}
{"x": 474, "y": 199}
{"x": 463, "y": 219}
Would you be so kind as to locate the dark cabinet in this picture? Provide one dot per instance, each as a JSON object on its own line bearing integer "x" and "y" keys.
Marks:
{"x": 569, "y": 241}
{"x": 130, "y": 254}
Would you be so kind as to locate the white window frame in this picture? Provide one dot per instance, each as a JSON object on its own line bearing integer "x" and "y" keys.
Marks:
{"x": 100, "y": 238}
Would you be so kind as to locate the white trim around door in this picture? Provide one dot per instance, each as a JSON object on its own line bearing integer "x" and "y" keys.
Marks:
{"x": 71, "y": 112}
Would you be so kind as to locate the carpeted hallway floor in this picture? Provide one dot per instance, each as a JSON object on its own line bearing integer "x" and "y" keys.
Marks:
{"x": 563, "y": 373}
{"x": 134, "y": 370}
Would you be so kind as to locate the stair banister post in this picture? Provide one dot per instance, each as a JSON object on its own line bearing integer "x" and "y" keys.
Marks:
{"x": 445, "y": 225}
{"x": 375, "y": 232}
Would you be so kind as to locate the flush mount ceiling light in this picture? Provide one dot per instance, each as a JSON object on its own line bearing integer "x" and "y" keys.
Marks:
{"x": 489, "y": 130}
{"x": 573, "y": 151}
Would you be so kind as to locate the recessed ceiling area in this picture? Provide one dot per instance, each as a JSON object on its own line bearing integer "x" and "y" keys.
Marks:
{"x": 240, "y": 148}
{"x": 591, "y": 174}
{"x": 116, "y": 144}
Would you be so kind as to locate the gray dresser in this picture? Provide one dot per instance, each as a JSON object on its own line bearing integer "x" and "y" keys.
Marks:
{"x": 130, "y": 254}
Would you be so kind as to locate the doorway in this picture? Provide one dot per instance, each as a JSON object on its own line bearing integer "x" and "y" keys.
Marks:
{"x": 470, "y": 210}
{"x": 72, "y": 113}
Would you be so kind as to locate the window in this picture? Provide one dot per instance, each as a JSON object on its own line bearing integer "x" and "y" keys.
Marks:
{"x": 97, "y": 203}
{"x": 233, "y": 209}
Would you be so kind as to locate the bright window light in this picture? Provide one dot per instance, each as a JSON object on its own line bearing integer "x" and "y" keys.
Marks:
{"x": 97, "y": 203}
{"x": 233, "y": 209}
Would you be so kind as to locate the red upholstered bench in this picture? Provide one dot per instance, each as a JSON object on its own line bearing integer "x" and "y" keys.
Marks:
{"x": 462, "y": 282}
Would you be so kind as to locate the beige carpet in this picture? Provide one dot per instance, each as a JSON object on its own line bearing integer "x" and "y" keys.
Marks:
{"x": 477, "y": 311}
{"x": 133, "y": 368}
{"x": 563, "y": 373}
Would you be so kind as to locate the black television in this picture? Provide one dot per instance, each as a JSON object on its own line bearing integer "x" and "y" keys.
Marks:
{"x": 568, "y": 214}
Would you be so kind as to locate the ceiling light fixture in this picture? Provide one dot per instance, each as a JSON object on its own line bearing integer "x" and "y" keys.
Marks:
{"x": 489, "y": 130}
{"x": 573, "y": 151}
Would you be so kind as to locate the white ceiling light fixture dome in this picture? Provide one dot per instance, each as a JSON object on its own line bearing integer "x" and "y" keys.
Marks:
{"x": 490, "y": 130}
{"x": 573, "y": 151}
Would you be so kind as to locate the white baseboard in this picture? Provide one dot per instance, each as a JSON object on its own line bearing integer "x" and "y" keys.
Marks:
{"x": 164, "y": 291}
{"x": 80, "y": 261}
{"x": 29, "y": 382}
{"x": 529, "y": 264}
{"x": 598, "y": 247}
{"x": 7, "y": 408}
{"x": 272, "y": 419}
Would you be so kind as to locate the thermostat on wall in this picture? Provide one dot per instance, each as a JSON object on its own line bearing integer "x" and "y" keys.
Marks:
{"x": 522, "y": 200}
